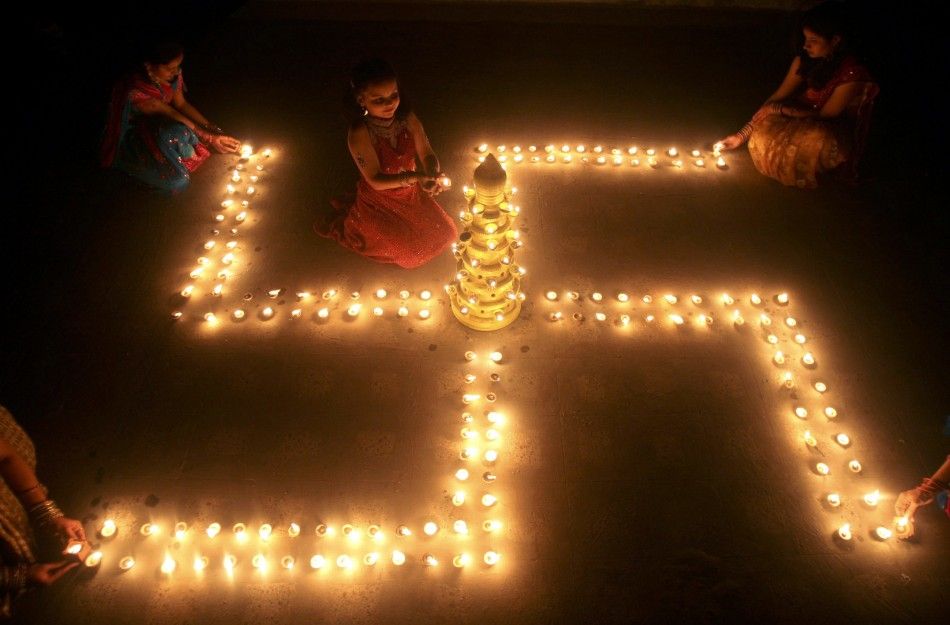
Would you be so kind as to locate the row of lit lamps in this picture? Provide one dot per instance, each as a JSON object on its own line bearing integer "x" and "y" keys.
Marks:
{"x": 703, "y": 319}
{"x": 624, "y": 297}
{"x": 110, "y": 529}
{"x": 354, "y": 309}
{"x": 843, "y": 441}
{"x": 469, "y": 434}
{"x": 779, "y": 358}
{"x": 261, "y": 563}
{"x": 205, "y": 266}
{"x": 596, "y": 155}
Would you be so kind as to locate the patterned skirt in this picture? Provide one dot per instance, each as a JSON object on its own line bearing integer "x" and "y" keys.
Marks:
{"x": 161, "y": 153}
{"x": 402, "y": 226}
{"x": 795, "y": 150}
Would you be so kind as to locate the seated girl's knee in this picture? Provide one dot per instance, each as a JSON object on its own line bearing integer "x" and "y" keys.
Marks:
{"x": 180, "y": 137}
{"x": 176, "y": 131}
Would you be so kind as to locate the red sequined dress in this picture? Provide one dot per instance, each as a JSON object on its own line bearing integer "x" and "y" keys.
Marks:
{"x": 404, "y": 226}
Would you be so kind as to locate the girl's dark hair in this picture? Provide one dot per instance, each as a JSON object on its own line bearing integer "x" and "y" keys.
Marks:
{"x": 371, "y": 72}
{"x": 163, "y": 52}
{"x": 826, "y": 20}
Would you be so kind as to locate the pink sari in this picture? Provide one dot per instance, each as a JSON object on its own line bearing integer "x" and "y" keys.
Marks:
{"x": 153, "y": 148}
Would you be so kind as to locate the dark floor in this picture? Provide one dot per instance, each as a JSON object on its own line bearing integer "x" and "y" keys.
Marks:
{"x": 646, "y": 476}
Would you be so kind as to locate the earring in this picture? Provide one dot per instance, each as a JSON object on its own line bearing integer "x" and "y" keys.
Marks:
{"x": 365, "y": 112}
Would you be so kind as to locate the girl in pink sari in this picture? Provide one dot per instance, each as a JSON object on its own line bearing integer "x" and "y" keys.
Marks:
{"x": 816, "y": 120}
{"x": 934, "y": 487}
{"x": 153, "y": 133}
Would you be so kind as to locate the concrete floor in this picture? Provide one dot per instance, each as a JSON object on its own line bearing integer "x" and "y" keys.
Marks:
{"x": 648, "y": 474}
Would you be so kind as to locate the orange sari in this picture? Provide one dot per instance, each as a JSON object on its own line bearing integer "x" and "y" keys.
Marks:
{"x": 795, "y": 150}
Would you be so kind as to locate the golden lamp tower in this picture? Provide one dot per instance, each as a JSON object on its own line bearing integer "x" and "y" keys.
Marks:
{"x": 486, "y": 293}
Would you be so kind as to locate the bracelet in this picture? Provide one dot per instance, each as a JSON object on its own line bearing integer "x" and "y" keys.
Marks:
{"x": 930, "y": 486}
{"x": 745, "y": 132}
{"x": 45, "y": 512}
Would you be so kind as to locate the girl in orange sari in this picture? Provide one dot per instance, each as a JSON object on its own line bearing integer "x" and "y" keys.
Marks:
{"x": 816, "y": 120}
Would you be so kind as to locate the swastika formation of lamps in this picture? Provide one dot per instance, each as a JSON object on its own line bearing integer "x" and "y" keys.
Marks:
{"x": 486, "y": 293}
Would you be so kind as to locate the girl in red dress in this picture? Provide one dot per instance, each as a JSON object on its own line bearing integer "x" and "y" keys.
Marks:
{"x": 393, "y": 217}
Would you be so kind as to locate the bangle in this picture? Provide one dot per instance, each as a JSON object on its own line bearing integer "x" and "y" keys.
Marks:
{"x": 930, "y": 486}
{"x": 45, "y": 512}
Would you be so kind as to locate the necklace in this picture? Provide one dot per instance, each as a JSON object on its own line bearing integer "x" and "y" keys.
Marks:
{"x": 381, "y": 124}
{"x": 385, "y": 129}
